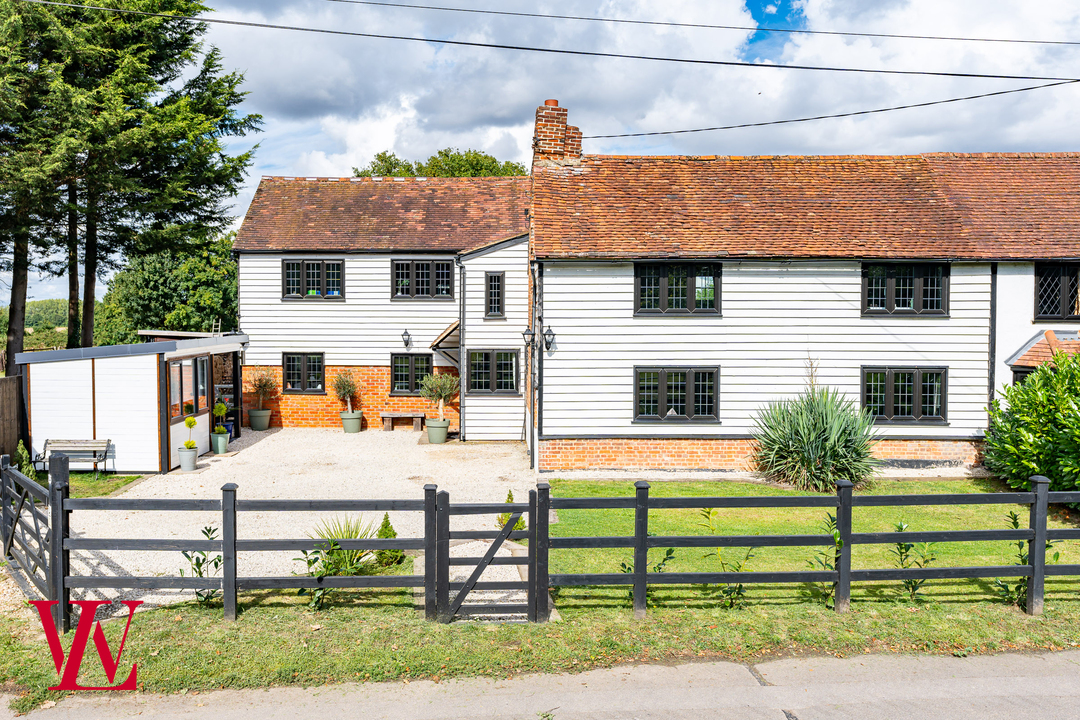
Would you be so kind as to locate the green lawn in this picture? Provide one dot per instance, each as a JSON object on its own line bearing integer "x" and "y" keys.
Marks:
{"x": 84, "y": 484}
{"x": 753, "y": 521}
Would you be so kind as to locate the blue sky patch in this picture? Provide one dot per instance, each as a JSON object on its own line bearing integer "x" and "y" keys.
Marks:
{"x": 771, "y": 13}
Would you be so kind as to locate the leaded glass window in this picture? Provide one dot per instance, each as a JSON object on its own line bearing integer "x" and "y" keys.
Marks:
{"x": 493, "y": 371}
{"x": 333, "y": 279}
{"x": 493, "y": 294}
{"x": 904, "y": 394}
{"x": 292, "y": 278}
{"x": 676, "y": 394}
{"x": 1057, "y": 291}
{"x": 905, "y": 288}
{"x": 648, "y": 389}
{"x": 418, "y": 279}
{"x": 407, "y": 371}
{"x": 677, "y": 288}
{"x": 312, "y": 279}
{"x": 303, "y": 372}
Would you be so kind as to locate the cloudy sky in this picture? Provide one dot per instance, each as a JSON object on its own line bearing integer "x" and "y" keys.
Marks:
{"x": 330, "y": 103}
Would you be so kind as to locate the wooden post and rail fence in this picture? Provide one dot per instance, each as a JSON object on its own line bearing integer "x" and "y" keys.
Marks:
{"x": 35, "y": 523}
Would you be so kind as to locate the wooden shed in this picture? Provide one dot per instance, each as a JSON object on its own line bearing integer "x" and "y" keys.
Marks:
{"x": 136, "y": 396}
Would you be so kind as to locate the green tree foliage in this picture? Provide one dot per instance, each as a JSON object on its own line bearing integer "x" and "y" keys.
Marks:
{"x": 449, "y": 162}
{"x": 814, "y": 440}
{"x": 46, "y": 314}
{"x": 171, "y": 291}
{"x": 391, "y": 556}
{"x": 1035, "y": 427}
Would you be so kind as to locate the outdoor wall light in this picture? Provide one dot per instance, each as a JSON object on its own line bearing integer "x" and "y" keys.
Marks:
{"x": 528, "y": 336}
{"x": 406, "y": 338}
{"x": 549, "y": 338}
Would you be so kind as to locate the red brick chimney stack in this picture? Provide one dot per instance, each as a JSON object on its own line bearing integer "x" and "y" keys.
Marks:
{"x": 554, "y": 140}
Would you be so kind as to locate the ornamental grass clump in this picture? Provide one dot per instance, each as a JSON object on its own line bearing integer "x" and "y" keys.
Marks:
{"x": 1036, "y": 430}
{"x": 815, "y": 440}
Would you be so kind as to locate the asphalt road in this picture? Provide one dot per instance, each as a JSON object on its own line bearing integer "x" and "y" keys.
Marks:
{"x": 1012, "y": 687}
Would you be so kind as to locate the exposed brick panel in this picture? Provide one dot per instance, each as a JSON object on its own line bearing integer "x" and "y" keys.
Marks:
{"x": 322, "y": 411}
{"x": 719, "y": 453}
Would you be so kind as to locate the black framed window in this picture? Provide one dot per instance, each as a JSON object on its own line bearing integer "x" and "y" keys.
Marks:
{"x": 407, "y": 371}
{"x": 494, "y": 294}
{"x": 677, "y": 288}
{"x": 676, "y": 394}
{"x": 303, "y": 373}
{"x": 493, "y": 371}
{"x": 905, "y": 288}
{"x": 311, "y": 279}
{"x": 189, "y": 383}
{"x": 427, "y": 279}
{"x": 905, "y": 394}
{"x": 1057, "y": 291}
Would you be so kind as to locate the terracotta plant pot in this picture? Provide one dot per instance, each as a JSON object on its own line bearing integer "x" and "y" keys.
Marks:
{"x": 350, "y": 422}
{"x": 188, "y": 458}
{"x": 260, "y": 419}
{"x": 220, "y": 442}
{"x": 436, "y": 431}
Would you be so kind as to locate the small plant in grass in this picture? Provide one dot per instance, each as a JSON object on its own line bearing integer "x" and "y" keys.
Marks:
{"x": 345, "y": 388}
{"x": 190, "y": 423}
{"x": 203, "y": 565}
{"x": 503, "y": 518}
{"x": 391, "y": 556}
{"x": 23, "y": 462}
{"x": 733, "y": 595}
{"x": 439, "y": 389}
{"x": 814, "y": 440}
{"x": 628, "y": 568}
{"x": 908, "y": 556}
{"x": 329, "y": 559}
{"x": 825, "y": 560}
{"x": 1016, "y": 593}
{"x": 264, "y": 385}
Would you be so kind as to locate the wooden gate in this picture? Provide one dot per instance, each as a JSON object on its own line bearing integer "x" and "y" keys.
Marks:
{"x": 450, "y": 596}
{"x": 26, "y": 529}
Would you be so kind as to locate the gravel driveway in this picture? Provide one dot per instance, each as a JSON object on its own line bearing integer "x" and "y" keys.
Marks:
{"x": 304, "y": 464}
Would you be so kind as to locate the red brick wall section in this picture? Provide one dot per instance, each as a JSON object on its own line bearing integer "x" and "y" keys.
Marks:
{"x": 322, "y": 411}
{"x": 718, "y": 453}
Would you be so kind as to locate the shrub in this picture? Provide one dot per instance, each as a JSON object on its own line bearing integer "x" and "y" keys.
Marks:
{"x": 190, "y": 423}
{"x": 264, "y": 385}
{"x": 345, "y": 388}
{"x": 908, "y": 556}
{"x": 204, "y": 565}
{"x": 503, "y": 518}
{"x": 329, "y": 559}
{"x": 389, "y": 557}
{"x": 814, "y": 440}
{"x": 440, "y": 388}
{"x": 1036, "y": 430}
{"x": 24, "y": 462}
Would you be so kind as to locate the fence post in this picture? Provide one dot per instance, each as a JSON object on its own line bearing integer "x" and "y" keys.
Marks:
{"x": 59, "y": 558}
{"x": 1037, "y": 545}
{"x": 842, "y": 594}
{"x": 430, "y": 529}
{"x": 641, "y": 548}
{"x": 543, "y": 545}
{"x": 442, "y": 554}
{"x": 228, "y": 549}
{"x": 5, "y": 502}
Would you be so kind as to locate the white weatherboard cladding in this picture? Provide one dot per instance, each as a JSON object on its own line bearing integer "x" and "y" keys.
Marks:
{"x": 497, "y": 417}
{"x": 127, "y": 410}
{"x": 61, "y": 402}
{"x": 363, "y": 329}
{"x": 1016, "y": 316}
{"x": 775, "y": 316}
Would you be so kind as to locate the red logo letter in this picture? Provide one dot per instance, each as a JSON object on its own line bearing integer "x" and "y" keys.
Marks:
{"x": 70, "y": 672}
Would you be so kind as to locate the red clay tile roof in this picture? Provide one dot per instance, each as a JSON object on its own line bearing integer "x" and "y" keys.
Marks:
{"x": 986, "y": 206}
{"x": 385, "y": 215}
{"x": 1043, "y": 350}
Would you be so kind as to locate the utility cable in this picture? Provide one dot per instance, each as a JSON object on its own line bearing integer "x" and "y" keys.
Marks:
{"x": 707, "y": 26}
{"x": 837, "y": 115}
{"x": 551, "y": 51}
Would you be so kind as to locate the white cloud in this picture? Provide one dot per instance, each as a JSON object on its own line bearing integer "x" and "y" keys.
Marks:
{"x": 770, "y": 9}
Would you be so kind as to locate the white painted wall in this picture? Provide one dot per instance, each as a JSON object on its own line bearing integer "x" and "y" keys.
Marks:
{"x": 61, "y": 403}
{"x": 364, "y": 329}
{"x": 127, "y": 411}
{"x": 487, "y": 416}
{"x": 775, "y": 316}
{"x": 178, "y": 433}
{"x": 1016, "y": 316}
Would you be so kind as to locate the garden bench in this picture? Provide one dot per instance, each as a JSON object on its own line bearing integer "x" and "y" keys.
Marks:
{"x": 417, "y": 419}
{"x": 94, "y": 451}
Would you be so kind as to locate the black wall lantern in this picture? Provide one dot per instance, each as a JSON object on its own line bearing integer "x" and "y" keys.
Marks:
{"x": 549, "y": 338}
{"x": 528, "y": 336}
{"x": 406, "y": 338}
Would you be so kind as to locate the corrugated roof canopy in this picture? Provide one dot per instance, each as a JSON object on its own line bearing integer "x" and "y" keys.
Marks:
{"x": 985, "y": 206}
{"x": 383, "y": 215}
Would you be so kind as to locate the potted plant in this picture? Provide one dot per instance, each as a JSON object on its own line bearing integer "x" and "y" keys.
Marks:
{"x": 189, "y": 453}
{"x": 265, "y": 387}
{"x": 345, "y": 388}
{"x": 219, "y": 439}
{"x": 439, "y": 388}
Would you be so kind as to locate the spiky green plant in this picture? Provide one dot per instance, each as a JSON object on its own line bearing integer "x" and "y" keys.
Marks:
{"x": 814, "y": 440}
{"x": 346, "y": 527}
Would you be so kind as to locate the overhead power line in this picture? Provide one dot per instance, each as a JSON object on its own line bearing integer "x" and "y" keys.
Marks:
{"x": 552, "y": 51}
{"x": 829, "y": 117}
{"x": 661, "y": 23}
